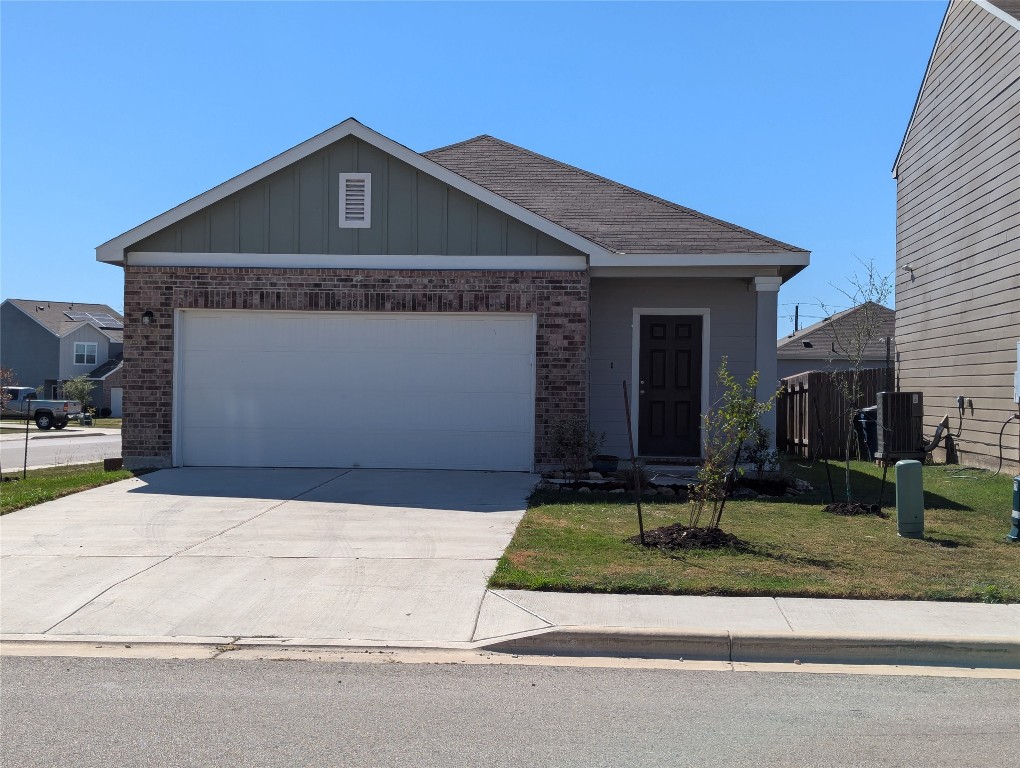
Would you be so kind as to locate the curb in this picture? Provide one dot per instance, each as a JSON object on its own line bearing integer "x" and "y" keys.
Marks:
{"x": 770, "y": 647}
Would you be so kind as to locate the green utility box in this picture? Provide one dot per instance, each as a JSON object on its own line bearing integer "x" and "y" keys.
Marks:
{"x": 909, "y": 500}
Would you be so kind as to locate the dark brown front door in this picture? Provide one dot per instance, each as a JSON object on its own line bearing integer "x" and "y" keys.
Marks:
{"x": 669, "y": 386}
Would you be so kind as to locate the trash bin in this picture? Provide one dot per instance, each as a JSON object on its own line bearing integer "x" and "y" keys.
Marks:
{"x": 867, "y": 431}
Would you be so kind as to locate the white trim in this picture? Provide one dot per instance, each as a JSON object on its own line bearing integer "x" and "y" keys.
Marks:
{"x": 998, "y": 12}
{"x": 363, "y": 223}
{"x": 176, "y": 382}
{"x": 801, "y": 259}
{"x": 113, "y": 250}
{"x": 725, "y": 273}
{"x": 333, "y": 261}
{"x": 768, "y": 284}
{"x": 635, "y": 361}
{"x": 85, "y": 354}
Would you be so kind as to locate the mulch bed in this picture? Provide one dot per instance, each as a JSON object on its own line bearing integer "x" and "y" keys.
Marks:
{"x": 850, "y": 509}
{"x": 679, "y": 536}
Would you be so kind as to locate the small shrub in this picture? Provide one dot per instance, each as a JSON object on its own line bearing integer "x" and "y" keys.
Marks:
{"x": 760, "y": 453}
{"x": 574, "y": 444}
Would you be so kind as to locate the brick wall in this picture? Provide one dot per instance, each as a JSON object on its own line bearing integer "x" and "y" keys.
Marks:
{"x": 559, "y": 299}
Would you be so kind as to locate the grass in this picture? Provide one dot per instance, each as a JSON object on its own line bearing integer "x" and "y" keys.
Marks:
{"x": 569, "y": 542}
{"x": 106, "y": 423}
{"x": 53, "y": 482}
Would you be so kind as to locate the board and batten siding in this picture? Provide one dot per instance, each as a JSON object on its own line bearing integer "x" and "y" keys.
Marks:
{"x": 296, "y": 210}
{"x": 732, "y": 327}
{"x": 958, "y": 231}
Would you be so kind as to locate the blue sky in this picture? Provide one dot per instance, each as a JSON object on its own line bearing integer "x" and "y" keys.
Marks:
{"x": 781, "y": 117}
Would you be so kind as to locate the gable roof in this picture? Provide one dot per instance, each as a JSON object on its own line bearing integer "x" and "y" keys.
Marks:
{"x": 51, "y": 316}
{"x": 1006, "y": 10}
{"x": 617, "y": 217}
{"x": 597, "y": 216}
{"x": 823, "y": 337}
{"x": 113, "y": 250}
{"x": 107, "y": 368}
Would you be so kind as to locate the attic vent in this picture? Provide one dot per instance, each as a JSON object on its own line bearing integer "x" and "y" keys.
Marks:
{"x": 355, "y": 200}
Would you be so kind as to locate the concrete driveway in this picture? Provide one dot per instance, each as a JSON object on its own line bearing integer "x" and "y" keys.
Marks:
{"x": 295, "y": 554}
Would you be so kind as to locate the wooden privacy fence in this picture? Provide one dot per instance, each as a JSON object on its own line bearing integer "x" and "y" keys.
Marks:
{"x": 797, "y": 420}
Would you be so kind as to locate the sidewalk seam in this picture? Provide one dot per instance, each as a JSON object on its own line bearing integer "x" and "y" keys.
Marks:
{"x": 517, "y": 605}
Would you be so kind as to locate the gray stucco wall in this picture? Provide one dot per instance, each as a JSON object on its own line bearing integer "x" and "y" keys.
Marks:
{"x": 731, "y": 322}
{"x": 26, "y": 348}
{"x": 296, "y": 210}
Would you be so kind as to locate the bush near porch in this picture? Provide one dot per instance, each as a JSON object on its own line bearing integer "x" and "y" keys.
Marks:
{"x": 576, "y": 543}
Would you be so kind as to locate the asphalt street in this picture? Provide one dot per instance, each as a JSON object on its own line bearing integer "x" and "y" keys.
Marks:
{"x": 101, "y": 712}
{"x": 45, "y": 450}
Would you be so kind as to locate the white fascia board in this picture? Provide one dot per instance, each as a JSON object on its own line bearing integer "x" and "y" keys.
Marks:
{"x": 113, "y": 250}
{"x": 334, "y": 261}
{"x": 701, "y": 260}
{"x": 998, "y": 13}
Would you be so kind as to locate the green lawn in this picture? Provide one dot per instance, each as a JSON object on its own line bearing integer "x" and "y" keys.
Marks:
{"x": 47, "y": 484}
{"x": 569, "y": 542}
{"x": 106, "y": 423}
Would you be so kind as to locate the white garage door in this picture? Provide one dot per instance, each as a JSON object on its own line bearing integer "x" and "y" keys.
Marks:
{"x": 308, "y": 389}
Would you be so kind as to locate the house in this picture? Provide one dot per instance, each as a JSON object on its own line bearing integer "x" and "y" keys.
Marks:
{"x": 831, "y": 344}
{"x": 958, "y": 233}
{"x": 45, "y": 343}
{"x": 352, "y": 302}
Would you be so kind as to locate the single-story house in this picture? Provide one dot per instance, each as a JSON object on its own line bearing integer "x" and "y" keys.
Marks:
{"x": 866, "y": 331}
{"x": 45, "y": 343}
{"x": 353, "y": 303}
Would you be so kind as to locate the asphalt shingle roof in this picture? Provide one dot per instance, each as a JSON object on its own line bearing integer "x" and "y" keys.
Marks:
{"x": 617, "y": 217}
{"x": 824, "y": 338}
{"x": 50, "y": 314}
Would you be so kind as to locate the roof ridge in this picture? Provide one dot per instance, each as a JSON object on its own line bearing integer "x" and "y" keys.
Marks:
{"x": 646, "y": 195}
{"x": 428, "y": 152}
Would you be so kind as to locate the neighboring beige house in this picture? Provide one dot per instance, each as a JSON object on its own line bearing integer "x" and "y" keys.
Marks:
{"x": 825, "y": 345}
{"x": 958, "y": 232}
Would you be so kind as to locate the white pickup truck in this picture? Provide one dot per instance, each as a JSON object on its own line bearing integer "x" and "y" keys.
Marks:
{"x": 24, "y": 403}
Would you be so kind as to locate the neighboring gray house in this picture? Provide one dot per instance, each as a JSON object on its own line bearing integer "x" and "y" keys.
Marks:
{"x": 437, "y": 310}
{"x": 958, "y": 232}
{"x": 824, "y": 345}
{"x": 48, "y": 342}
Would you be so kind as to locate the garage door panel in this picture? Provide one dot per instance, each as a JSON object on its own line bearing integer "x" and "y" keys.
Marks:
{"x": 351, "y": 389}
{"x": 295, "y": 447}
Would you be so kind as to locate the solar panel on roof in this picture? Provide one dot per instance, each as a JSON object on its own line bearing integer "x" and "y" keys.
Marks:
{"x": 78, "y": 316}
{"x": 106, "y": 320}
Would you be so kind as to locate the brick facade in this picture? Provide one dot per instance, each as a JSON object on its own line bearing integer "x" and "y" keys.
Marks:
{"x": 558, "y": 299}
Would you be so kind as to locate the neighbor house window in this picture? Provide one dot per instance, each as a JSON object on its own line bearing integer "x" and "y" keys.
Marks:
{"x": 85, "y": 353}
{"x": 355, "y": 200}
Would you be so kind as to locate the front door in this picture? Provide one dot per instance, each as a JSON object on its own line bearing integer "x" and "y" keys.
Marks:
{"x": 669, "y": 386}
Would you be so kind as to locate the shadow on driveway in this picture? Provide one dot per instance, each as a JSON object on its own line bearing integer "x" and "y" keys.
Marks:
{"x": 406, "y": 489}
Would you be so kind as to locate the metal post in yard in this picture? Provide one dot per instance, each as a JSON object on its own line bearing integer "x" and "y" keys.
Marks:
{"x": 24, "y": 465}
{"x": 635, "y": 476}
